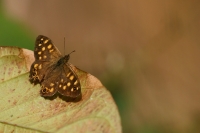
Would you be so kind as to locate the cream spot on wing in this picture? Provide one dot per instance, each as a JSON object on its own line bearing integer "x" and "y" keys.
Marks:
{"x": 64, "y": 87}
{"x": 51, "y": 50}
{"x": 43, "y": 48}
{"x": 68, "y": 84}
{"x": 40, "y": 66}
{"x": 68, "y": 74}
{"x": 39, "y": 52}
{"x": 36, "y": 65}
{"x": 51, "y": 90}
{"x": 46, "y": 41}
{"x": 71, "y": 77}
{"x": 75, "y": 82}
{"x": 44, "y": 56}
{"x": 52, "y": 84}
{"x": 49, "y": 46}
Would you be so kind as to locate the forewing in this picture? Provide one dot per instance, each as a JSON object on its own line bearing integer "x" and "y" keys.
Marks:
{"x": 45, "y": 54}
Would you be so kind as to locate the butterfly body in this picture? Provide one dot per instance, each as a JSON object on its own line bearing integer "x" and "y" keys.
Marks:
{"x": 52, "y": 70}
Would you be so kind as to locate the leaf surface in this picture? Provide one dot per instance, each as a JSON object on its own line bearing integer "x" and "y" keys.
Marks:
{"x": 22, "y": 109}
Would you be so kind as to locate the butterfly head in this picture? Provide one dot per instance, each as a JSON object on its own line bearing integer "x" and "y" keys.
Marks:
{"x": 66, "y": 57}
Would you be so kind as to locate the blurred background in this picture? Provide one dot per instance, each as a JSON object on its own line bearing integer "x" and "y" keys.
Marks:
{"x": 145, "y": 52}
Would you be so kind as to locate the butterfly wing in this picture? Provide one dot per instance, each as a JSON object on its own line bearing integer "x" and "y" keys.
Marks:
{"x": 49, "y": 85}
{"x": 45, "y": 54}
{"x": 71, "y": 86}
{"x": 61, "y": 79}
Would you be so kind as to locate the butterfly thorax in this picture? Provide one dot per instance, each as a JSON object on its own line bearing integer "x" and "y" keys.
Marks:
{"x": 63, "y": 60}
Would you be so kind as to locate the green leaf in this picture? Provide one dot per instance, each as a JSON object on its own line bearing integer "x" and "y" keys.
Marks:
{"x": 22, "y": 109}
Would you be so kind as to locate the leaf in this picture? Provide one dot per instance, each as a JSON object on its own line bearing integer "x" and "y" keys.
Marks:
{"x": 22, "y": 109}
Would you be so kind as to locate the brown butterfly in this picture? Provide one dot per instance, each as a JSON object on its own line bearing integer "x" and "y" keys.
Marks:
{"x": 52, "y": 70}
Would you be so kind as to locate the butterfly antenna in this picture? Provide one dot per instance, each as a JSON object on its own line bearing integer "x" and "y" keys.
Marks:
{"x": 72, "y": 52}
{"x": 64, "y": 48}
{"x": 64, "y": 45}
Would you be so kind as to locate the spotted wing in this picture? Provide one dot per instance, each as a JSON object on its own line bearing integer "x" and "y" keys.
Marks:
{"x": 71, "y": 86}
{"x": 45, "y": 54}
{"x": 62, "y": 79}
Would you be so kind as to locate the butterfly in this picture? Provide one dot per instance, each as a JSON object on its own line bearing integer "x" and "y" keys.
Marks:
{"x": 52, "y": 70}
